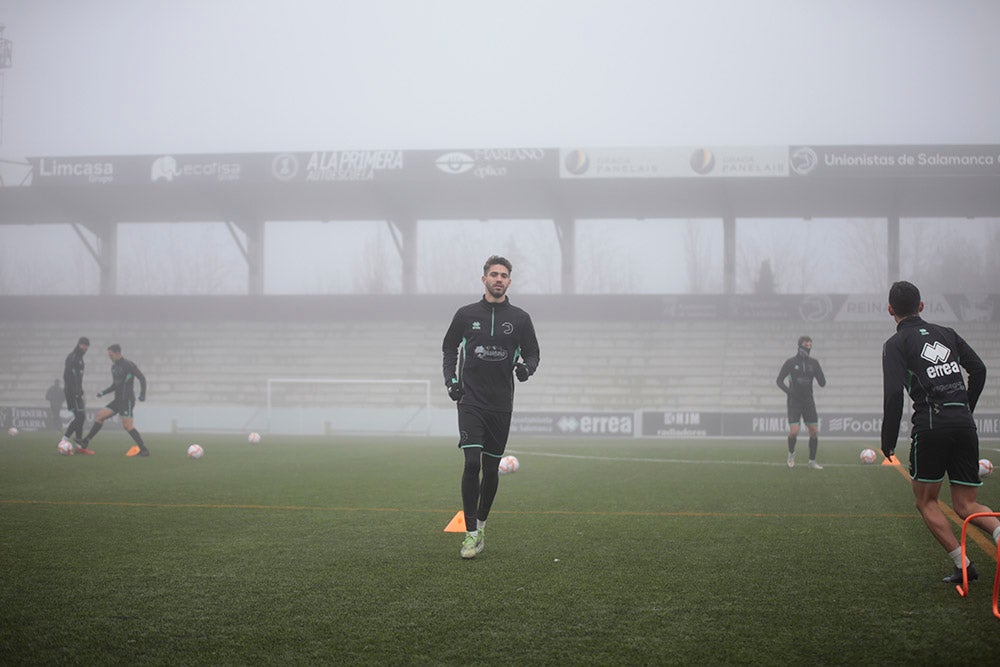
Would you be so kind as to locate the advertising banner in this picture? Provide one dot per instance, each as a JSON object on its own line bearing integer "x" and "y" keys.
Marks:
{"x": 682, "y": 424}
{"x": 483, "y": 164}
{"x": 674, "y": 162}
{"x": 38, "y": 418}
{"x": 335, "y": 166}
{"x": 864, "y": 161}
{"x": 89, "y": 170}
{"x": 833, "y": 425}
{"x": 574, "y": 424}
{"x": 937, "y": 308}
{"x": 212, "y": 169}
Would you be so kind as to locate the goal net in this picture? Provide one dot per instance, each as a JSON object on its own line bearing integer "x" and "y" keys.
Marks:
{"x": 342, "y": 405}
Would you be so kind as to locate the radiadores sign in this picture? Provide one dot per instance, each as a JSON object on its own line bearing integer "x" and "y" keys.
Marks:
{"x": 574, "y": 424}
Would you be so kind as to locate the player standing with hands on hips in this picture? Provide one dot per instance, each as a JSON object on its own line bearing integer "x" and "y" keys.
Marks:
{"x": 800, "y": 371}
{"x": 925, "y": 358}
{"x": 488, "y": 343}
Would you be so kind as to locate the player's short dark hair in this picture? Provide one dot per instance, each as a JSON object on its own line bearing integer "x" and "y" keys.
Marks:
{"x": 804, "y": 339}
{"x": 496, "y": 259}
{"x": 83, "y": 341}
{"x": 115, "y": 347}
{"x": 904, "y": 297}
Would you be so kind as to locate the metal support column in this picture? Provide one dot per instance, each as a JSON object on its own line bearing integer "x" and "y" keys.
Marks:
{"x": 566, "y": 233}
{"x": 404, "y": 236}
{"x": 729, "y": 254}
{"x": 892, "y": 247}
{"x": 252, "y": 251}
{"x": 105, "y": 252}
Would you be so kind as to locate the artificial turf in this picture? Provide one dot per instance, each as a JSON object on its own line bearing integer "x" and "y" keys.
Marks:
{"x": 331, "y": 551}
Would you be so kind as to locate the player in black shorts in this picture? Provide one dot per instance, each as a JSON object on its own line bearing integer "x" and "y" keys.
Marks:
{"x": 800, "y": 371}
{"x": 73, "y": 390}
{"x": 481, "y": 351}
{"x": 124, "y": 373}
{"x": 925, "y": 358}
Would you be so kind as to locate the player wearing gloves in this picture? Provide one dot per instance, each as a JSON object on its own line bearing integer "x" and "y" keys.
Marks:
{"x": 123, "y": 376}
{"x": 488, "y": 344}
{"x": 73, "y": 390}
{"x": 925, "y": 358}
{"x": 800, "y": 371}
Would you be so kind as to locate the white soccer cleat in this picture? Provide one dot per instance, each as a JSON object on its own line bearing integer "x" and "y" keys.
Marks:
{"x": 791, "y": 460}
{"x": 815, "y": 466}
{"x": 469, "y": 545}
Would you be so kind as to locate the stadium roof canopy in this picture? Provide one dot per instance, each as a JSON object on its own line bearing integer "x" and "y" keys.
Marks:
{"x": 562, "y": 185}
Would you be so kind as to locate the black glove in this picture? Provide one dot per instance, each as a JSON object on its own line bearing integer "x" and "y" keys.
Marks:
{"x": 454, "y": 390}
{"x": 888, "y": 451}
{"x": 99, "y": 394}
{"x": 521, "y": 371}
{"x": 142, "y": 397}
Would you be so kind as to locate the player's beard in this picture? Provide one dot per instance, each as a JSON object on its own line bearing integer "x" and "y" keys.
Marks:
{"x": 497, "y": 291}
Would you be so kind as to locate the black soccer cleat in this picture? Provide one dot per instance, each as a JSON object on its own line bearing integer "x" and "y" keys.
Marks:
{"x": 956, "y": 578}
{"x": 144, "y": 452}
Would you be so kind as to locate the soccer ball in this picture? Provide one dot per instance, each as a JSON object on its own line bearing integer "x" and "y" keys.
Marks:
{"x": 985, "y": 467}
{"x": 253, "y": 438}
{"x": 509, "y": 464}
{"x": 868, "y": 456}
{"x": 12, "y": 431}
{"x": 66, "y": 448}
{"x": 195, "y": 452}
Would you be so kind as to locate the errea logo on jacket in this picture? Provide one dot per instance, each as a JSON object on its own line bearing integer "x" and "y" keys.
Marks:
{"x": 938, "y": 355}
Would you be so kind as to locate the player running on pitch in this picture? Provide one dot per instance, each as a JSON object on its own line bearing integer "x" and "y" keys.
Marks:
{"x": 123, "y": 376}
{"x": 481, "y": 351}
{"x": 800, "y": 371}
{"x": 925, "y": 358}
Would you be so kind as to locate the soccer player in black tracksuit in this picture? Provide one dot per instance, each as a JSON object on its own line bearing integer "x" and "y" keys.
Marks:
{"x": 925, "y": 359}
{"x": 73, "y": 389}
{"x": 800, "y": 371}
{"x": 481, "y": 351}
{"x": 123, "y": 376}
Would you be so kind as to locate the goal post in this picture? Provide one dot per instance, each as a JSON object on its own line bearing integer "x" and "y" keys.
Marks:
{"x": 349, "y": 405}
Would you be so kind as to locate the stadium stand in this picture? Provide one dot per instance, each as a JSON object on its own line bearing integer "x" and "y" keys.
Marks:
{"x": 586, "y": 365}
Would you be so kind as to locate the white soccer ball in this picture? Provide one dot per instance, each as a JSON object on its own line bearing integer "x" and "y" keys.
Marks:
{"x": 985, "y": 467}
{"x": 868, "y": 456}
{"x": 253, "y": 438}
{"x": 195, "y": 452}
{"x": 66, "y": 448}
{"x": 12, "y": 431}
{"x": 509, "y": 464}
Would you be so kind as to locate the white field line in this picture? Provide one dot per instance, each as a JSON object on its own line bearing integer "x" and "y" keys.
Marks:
{"x": 627, "y": 459}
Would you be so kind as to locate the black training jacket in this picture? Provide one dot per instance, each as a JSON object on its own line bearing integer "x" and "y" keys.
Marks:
{"x": 123, "y": 376}
{"x": 73, "y": 373}
{"x": 800, "y": 371}
{"x": 480, "y": 348}
{"x": 925, "y": 359}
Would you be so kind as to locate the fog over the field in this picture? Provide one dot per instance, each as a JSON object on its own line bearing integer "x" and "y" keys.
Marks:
{"x": 110, "y": 77}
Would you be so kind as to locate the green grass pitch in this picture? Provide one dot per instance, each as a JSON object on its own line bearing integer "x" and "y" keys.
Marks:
{"x": 331, "y": 551}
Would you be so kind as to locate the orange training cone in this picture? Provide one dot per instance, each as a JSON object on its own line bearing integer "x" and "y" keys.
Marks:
{"x": 457, "y": 524}
{"x": 891, "y": 461}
